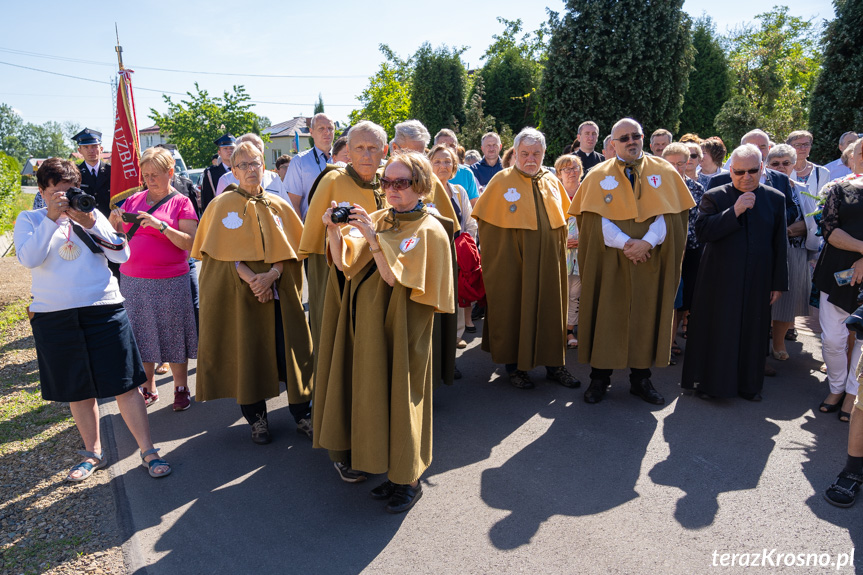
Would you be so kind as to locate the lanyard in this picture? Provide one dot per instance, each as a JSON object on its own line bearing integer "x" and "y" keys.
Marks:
{"x": 318, "y": 160}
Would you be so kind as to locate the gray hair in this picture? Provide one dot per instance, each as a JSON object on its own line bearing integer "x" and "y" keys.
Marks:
{"x": 846, "y": 137}
{"x": 782, "y": 151}
{"x": 317, "y": 117}
{"x": 448, "y": 133}
{"x": 411, "y": 131}
{"x": 606, "y": 141}
{"x": 472, "y": 155}
{"x": 745, "y": 151}
{"x": 253, "y": 139}
{"x": 753, "y": 133}
{"x": 797, "y": 134}
{"x": 369, "y": 128}
{"x": 529, "y": 135}
{"x": 488, "y": 135}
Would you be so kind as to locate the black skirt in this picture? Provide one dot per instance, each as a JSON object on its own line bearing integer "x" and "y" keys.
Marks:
{"x": 86, "y": 352}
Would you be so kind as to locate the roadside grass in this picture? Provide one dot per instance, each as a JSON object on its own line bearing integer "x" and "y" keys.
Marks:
{"x": 17, "y": 205}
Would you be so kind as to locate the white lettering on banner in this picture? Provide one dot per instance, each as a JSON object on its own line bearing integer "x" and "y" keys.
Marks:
{"x": 123, "y": 150}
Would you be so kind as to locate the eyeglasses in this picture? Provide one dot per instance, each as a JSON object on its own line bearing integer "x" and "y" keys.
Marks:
{"x": 570, "y": 171}
{"x": 752, "y": 171}
{"x": 693, "y": 156}
{"x": 777, "y": 163}
{"x": 248, "y": 166}
{"x": 398, "y": 184}
{"x": 635, "y": 136}
{"x": 802, "y": 145}
{"x": 678, "y": 164}
{"x": 444, "y": 163}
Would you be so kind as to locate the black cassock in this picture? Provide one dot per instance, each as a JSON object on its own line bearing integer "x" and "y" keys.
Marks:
{"x": 744, "y": 260}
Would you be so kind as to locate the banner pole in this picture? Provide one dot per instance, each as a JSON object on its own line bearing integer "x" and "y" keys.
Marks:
{"x": 118, "y": 49}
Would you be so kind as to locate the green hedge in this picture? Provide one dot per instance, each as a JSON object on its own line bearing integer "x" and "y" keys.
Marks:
{"x": 10, "y": 184}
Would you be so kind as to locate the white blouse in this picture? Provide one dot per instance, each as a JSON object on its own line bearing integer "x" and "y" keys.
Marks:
{"x": 60, "y": 284}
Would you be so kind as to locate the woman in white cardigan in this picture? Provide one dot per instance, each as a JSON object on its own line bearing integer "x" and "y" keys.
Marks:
{"x": 84, "y": 343}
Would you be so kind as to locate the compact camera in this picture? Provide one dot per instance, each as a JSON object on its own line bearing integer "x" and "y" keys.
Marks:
{"x": 341, "y": 214}
{"x": 80, "y": 200}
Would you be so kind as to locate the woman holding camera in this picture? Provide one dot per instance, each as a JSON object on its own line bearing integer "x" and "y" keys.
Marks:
{"x": 161, "y": 224}
{"x": 373, "y": 401}
{"x": 84, "y": 343}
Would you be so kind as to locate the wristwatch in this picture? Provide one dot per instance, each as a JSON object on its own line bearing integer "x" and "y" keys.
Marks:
{"x": 162, "y": 227}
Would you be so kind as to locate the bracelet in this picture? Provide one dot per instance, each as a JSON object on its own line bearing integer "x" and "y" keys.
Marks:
{"x": 273, "y": 269}
{"x": 374, "y": 251}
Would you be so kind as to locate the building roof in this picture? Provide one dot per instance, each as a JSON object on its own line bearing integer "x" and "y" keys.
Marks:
{"x": 289, "y": 128}
{"x": 154, "y": 129}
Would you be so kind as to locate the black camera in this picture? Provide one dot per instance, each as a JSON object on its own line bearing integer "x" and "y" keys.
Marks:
{"x": 80, "y": 200}
{"x": 341, "y": 214}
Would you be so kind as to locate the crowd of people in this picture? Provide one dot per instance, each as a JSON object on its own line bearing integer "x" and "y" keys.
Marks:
{"x": 636, "y": 258}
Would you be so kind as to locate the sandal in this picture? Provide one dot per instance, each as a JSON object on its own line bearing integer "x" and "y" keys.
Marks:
{"x": 831, "y": 407}
{"x": 780, "y": 355}
{"x": 571, "y": 342}
{"x": 154, "y": 463}
{"x": 162, "y": 368}
{"x": 86, "y": 467}
{"x": 149, "y": 398}
{"x": 844, "y": 416}
{"x": 843, "y": 492}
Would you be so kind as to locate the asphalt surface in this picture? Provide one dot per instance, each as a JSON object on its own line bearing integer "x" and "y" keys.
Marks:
{"x": 522, "y": 482}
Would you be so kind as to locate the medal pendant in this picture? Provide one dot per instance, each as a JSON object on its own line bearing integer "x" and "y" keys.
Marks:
{"x": 513, "y": 208}
{"x": 69, "y": 251}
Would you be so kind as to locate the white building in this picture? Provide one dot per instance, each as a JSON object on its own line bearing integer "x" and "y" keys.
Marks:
{"x": 291, "y": 137}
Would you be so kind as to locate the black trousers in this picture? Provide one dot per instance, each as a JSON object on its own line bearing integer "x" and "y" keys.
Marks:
{"x": 635, "y": 374}
{"x": 251, "y": 411}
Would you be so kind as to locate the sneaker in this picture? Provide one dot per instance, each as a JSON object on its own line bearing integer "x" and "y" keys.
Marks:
{"x": 181, "y": 399}
{"x": 304, "y": 426}
{"x": 149, "y": 398}
{"x": 562, "y": 376}
{"x": 349, "y": 475}
{"x": 521, "y": 380}
{"x": 261, "y": 431}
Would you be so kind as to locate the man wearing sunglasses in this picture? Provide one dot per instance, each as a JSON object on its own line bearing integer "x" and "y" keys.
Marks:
{"x": 632, "y": 212}
{"x": 742, "y": 273}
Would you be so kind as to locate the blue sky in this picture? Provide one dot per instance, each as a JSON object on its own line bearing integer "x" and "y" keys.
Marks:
{"x": 337, "y": 39}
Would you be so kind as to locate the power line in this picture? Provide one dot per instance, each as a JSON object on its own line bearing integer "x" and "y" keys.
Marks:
{"x": 158, "y": 91}
{"x": 96, "y": 63}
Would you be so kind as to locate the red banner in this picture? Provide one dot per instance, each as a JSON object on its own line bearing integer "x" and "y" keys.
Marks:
{"x": 125, "y": 150}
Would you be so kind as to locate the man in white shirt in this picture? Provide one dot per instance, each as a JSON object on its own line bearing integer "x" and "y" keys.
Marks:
{"x": 308, "y": 165}
{"x": 836, "y": 167}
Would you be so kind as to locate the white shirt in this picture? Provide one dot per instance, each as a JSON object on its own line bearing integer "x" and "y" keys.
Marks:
{"x": 60, "y": 284}
{"x": 615, "y": 238}
{"x": 302, "y": 173}
{"x": 838, "y": 169}
{"x": 270, "y": 182}
{"x": 93, "y": 169}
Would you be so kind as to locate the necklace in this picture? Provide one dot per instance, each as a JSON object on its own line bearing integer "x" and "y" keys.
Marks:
{"x": 69, "y": 251}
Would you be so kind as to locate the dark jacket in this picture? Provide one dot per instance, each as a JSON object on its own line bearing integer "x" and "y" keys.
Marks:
{"x": 98, "y": 186}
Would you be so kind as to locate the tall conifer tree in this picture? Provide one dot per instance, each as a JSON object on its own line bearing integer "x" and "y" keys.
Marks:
{"x": 709, "y": 81}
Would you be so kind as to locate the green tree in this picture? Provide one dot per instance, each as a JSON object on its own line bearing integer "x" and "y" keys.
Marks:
{"x": 439, "y": 86}
{"x": 11, "y": 126}
{"x": 48, "y": 140}
{"x": 611, "y": 59}
{"x": 709, "y": 81}
{"x": 838, "y": 91}
{"x": 774, "y": 66}
{"x": 319, "y": 105}
{"x": 512, "y": 74}
{"x": 387, "y": 99}
{"x": 195, "y": 123}
{"x": 10, "y": 183}
{"x": 476, "y": 122}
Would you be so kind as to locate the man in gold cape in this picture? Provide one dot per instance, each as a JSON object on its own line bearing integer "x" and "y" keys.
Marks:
{"x": 240, "y": 335}
{"x": 522, "y": 230}
{"x": 632, "y": 219}
{"x": 373, "y": 402}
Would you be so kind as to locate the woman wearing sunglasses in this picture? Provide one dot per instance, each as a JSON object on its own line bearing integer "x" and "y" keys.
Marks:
{"x": 373, "y": 402}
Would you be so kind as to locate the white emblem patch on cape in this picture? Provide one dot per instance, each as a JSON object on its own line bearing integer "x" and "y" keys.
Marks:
{"x": 232, "y": 221}
{"x": 609, "y": 183}
{"x": 278, "y": 222}
{"x": 409, "y": 244}
{"x": 511, "y": 195}
{"x": 654, "y": 181}
{"x": 344, "y": 204}
{"x": 432, "y": 209}
{"x": 355, "y": 232}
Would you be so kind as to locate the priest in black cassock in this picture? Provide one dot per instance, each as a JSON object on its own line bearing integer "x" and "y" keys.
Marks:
{"x": 742, "y": 272}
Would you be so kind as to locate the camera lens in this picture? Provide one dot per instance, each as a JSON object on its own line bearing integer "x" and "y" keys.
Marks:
{"x": 80, "y": 200}
{"x": 340, "y": 215}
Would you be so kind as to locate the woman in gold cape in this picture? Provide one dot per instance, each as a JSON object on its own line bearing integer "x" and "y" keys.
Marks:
{"x": 373, "y": 407}
{"x": 252, "y": 322}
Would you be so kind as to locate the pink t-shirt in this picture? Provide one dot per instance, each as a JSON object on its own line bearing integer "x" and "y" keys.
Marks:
{"x": 154, "y": 256}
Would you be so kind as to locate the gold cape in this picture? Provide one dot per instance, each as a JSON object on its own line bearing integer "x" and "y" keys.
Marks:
{"x": 375, "y": 369}
{"x": 508, "y": 200}
{"x": 236, "y": 351}
{"x": 236, "y": 227}
{"x": 606, "y": 191}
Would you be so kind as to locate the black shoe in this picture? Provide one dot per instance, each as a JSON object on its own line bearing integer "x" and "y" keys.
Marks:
{"x": 261, "y": 431}
{"x": 644, "y": 389}
{"x": 349, "y": 474}
{"x": 596, "y": 390}
{"x": 521, "y": 380}
{"x": 791, "y": 334}
{"x": 456, "y": 374}
{"x": 383, "y": 491}
{"x": 844, "y": 491}
{"x": 478, "y": 312}
{"x": 563, "y": 377}
{"x": 404, "y": 497}
{"x": 750, "y": 396}
{"x": 470, "y": 328}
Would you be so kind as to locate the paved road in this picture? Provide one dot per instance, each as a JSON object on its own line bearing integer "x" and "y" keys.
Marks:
{"x": 522, "y": 481}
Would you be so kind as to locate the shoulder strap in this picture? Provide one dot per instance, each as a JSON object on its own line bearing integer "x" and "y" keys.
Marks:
{"x": 95, "y": 244}
{"x": 137, "y": 225}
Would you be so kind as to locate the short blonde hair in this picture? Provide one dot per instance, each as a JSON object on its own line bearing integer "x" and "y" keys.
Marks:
{"x": 421, "y": 172}
{"x": 566, "y": 161}
{"x": 248, "y": 150}
{"x": 161, "y": 159}
{"x": 450, "y": 152}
